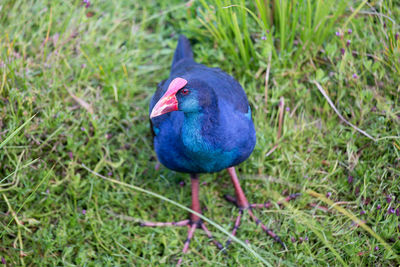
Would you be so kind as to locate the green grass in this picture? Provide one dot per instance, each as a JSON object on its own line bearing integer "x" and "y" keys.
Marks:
{"x": 75, "y": 84}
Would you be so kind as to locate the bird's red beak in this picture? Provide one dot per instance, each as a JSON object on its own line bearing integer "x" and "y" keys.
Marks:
{"x": 168, "y": 101}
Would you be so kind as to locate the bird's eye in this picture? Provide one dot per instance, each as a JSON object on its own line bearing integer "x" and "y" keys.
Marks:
{"x": 185, "y": 91}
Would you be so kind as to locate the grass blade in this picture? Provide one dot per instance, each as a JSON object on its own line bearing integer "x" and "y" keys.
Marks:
{"x": 15, "y": 132}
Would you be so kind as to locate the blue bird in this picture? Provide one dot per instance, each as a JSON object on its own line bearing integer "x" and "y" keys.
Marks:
{"x": 202, "y": 123}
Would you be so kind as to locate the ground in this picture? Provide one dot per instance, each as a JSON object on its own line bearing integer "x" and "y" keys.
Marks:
{"x": 76, "y": 150}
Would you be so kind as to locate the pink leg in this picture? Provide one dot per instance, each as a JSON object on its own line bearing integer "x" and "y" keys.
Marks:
{"x": 195, "y": 198}
{"x": 241, "y": 199}
{"x": 194, "y": 222}
{"x": 241, "y": 202}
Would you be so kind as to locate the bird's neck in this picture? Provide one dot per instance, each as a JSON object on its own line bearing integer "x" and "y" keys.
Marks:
{"x": 198, "y": 131}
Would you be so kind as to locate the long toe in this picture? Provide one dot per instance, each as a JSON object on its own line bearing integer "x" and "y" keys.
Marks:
{"x": 258, "y": 222}
{"x": 187, "y": 242}
{"x": 165, "y": 224}
{"x": 192, "y": 228}
{"x": 265, "y": 228}
{"x": 249, "y": 208}
{"x": 235, "y": 227}
{"x": 211, "y": 237}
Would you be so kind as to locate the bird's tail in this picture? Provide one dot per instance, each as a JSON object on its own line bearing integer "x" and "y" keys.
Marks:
{"x": 183, "y": 50}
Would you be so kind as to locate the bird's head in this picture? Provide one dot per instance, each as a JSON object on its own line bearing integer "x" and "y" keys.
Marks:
{"x": 184, "y": 97}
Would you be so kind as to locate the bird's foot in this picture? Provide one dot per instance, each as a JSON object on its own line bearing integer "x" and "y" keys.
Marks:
{"x": 192, "y": 225}
{"x": 249, "y": 209}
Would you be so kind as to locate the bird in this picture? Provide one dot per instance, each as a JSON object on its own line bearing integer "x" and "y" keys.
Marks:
{"x": 202, "y": 123}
